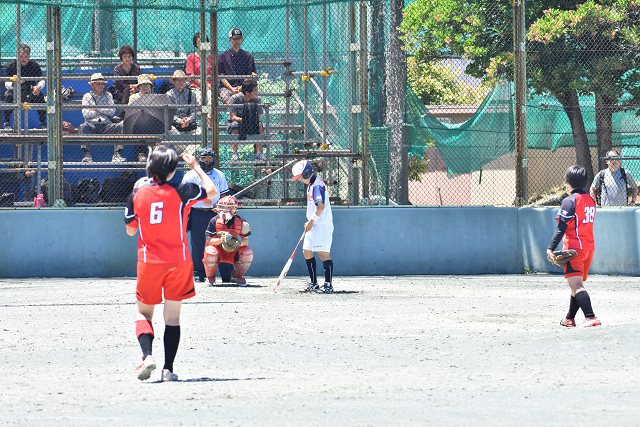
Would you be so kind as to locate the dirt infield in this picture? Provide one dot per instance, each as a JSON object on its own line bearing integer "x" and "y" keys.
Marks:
{"x": 409, "y": 350}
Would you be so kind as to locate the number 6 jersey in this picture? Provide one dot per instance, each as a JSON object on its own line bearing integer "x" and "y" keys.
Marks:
{"x": 578, "y": 211}
{"x": 161, "y": 212}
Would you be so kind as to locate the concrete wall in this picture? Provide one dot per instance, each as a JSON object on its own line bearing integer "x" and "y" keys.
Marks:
{"x": 367, "y": 241}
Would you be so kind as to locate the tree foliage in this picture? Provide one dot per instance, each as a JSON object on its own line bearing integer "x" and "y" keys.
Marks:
{"x": 436, "y": 84}
{"x": 573, "y": 48}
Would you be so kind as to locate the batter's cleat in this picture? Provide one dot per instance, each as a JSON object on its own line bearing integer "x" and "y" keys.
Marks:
{"x": 325, "y": 289}
{"x": 144, "y": 370}
{"x": 240, "y": 281}
{"x": 569, "y": 323}
{"x": 167, "y": 375}
{"x": 211, "y": 281}
{"x": 310, "y": 287}
{"x": 591, "y": 322}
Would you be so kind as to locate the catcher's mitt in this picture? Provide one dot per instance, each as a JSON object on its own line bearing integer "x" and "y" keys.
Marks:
{"x": 562, "y": 257}
{"x": 230, "y": 243}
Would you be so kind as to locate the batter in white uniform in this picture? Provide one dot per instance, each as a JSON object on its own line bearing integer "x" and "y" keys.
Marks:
{"x": 319, "y": 228}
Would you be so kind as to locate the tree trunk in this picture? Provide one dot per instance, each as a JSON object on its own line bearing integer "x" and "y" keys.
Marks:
{"x": 604, "y": 131}
{"x": 396, "y": 87}
{"x": 571, "y": 106}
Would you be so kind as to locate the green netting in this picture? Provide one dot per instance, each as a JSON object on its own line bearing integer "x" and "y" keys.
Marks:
{"x": 549, "y": 126}
{"x": 379, "y": 163}
{"x": 468, "y": 146}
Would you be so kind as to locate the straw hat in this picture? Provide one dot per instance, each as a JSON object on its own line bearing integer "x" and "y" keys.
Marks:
{"x": 177, "y": 74}
{"x": 144, "y": 78}
{"x": 97, "y": 78}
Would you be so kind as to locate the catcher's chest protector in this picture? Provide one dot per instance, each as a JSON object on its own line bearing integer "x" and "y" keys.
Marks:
{"x": 235, "y": 228}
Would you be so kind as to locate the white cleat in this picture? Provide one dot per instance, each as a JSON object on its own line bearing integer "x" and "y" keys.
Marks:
{"x": 167, "y": 375}
{"x": 144, "y": 370}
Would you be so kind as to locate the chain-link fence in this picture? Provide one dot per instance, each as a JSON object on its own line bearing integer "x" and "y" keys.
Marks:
{"x": 394, "y": 102}
{"x": 103, "y": 83}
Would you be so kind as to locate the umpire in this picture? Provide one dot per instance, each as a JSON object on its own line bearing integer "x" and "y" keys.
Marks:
{"x": 202, "y": 212}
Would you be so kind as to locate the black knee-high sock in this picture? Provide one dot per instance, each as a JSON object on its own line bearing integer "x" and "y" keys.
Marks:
{"x": 311, "y": 266}
{"x": 573, "y": 308}
{"x": 328, "y": 270}
{"x": 584, "y": 302}
{"x": 171, "y": 341}
{"x": 146, "y": 343}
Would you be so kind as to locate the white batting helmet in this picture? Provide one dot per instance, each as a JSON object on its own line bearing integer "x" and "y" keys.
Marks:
{"x": 302, "y": 169}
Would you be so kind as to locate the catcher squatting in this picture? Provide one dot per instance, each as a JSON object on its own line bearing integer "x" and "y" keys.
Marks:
{"x": 227, "y": 240}
{"x": 575, "y": 229}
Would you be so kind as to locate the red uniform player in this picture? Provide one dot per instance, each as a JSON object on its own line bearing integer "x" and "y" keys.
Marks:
{"x": 232, "y": 263}
{"x": 158, "y": 210}
{"x": 575, "y": 228}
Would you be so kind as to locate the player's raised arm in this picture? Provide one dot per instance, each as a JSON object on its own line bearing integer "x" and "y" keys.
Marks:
{"x": 212, "y": 191}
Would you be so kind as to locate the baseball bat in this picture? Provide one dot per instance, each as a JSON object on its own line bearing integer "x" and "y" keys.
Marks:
{"x": 285, "y": 270}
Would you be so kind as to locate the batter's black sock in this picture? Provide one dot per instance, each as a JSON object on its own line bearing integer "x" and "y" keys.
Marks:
{"x": 146, "y": 342}
{"x": 585, "y": 304}
{"x": 171, "y": 341}
{"x": 311, "y": 266}
{"x": 573, "y": 308}
{"x": 328, "y": 270}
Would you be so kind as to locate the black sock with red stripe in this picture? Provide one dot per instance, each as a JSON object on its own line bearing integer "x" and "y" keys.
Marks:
{"x": 573, "y": 308}
{"x": 144, "y": 333}
{"x": 171, "y": 341}
{"x": 146, "y": 344}
{"x": 584, "y": 302}
{"x": 311, "y": 266}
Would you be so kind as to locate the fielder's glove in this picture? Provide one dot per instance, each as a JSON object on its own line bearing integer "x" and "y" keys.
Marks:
{"x": 562, "y": 257}
{"x": 230, "y": 243}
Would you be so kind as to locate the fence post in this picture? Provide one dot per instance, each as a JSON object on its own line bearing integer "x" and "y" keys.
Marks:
{"x": 214, "y": 79}
{"x": 204, "y": 47}
{"x": 364, "y": 98}
{"x": 54, "y": 113}
{"x": 520, "y": 112}
{"x": 354, "y": 171}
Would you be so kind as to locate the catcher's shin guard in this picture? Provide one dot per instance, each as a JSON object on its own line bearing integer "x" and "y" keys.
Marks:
{"x": 211, "y": 260}
{"x": 245, "y": 257}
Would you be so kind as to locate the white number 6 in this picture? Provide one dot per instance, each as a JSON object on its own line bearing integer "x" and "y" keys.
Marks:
{"x": 156, "y": 213}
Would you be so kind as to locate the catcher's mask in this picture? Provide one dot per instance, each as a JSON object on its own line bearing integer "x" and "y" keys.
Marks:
{"x": 302, "y": 169}
{"x": 206, "y": 165}
{"x": 227, "y": 207}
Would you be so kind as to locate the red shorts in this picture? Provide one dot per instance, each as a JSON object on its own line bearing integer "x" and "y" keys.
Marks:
{"x": 176, "y": 278}
{"x": 579, "y": 264}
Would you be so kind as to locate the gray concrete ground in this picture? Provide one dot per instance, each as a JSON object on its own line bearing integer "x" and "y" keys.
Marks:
{"x": 382, "y": 351}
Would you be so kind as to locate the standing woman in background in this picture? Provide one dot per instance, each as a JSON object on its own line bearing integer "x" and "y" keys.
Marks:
{"x": 123, "y": 89}
{"x": 193, "y": 66}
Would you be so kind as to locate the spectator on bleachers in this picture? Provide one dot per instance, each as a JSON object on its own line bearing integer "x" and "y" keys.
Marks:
{"x": 184, "y": 121}
{"x": 244, "y": 117}
{"x": 193, "y": 64}
{"x": 145, "y": 86}
{"x": 98, "y": 120}
{"x": 237, "y": 62}
{"x": 123, "y": 89}
{"x": 30, "y": 90}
